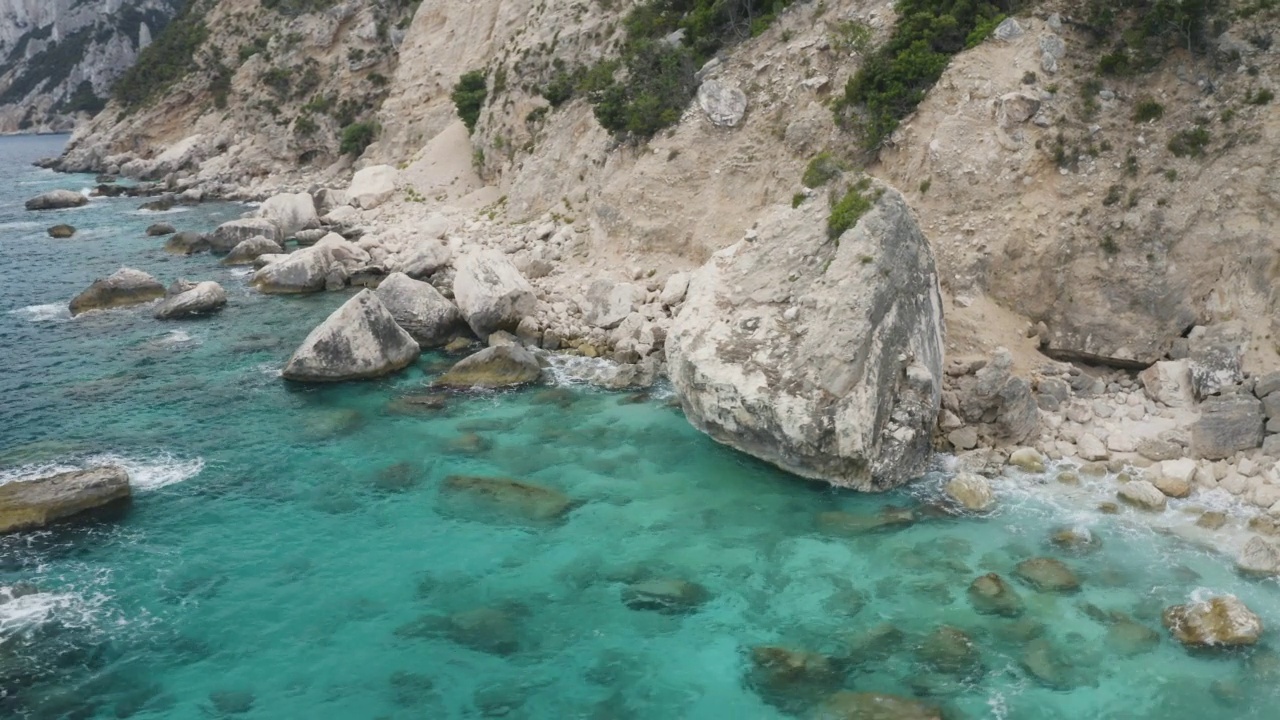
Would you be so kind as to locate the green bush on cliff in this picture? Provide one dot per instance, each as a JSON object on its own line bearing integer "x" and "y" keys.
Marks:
{"x": 169, "y": 58}
{"x": 357, "y": 136}
{"x": 468, "y": 97}
{"x": 849, "y": 209}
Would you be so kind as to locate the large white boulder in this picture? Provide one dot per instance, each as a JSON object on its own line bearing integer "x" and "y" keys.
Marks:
{"x": 608, "y": 303}
{"x": 359, "y": 340}
{"x": 372, "y": 186}
{"x": 230, "y": 234}
{"x": 491, "y": 293}
{"x": 1168, "y": 382}
{"x": 420, "y": 309}
{"x": 822, "y": 356}
{"x": 423, "y": 258}
{"x": 303, "y": 271}
{"x": 206, "y": 297}
{"x": 290, "y": 211}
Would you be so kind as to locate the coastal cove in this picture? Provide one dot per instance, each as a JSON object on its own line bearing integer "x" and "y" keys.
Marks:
{"x": 295, "y": 551}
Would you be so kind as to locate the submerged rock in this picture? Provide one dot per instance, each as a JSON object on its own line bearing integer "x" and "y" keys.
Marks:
{"x": 669, "y": 596}
{"x": 1047, "y": 575}
{"x": 420, "y": 309}
{"x": 61, "y": 232}
{"x": 1050, "y": 666}
{"x": 1219, "y": 622}
{"x": 507, "y": 498}
{"x": 850, "y": 524}
{"x": 1077, "y": 540}
{"x": 186, "y": 243}
{"x": 124, "y": 287}
{"x": 56, "y": 200}
{"x": 359, "y": 340}
{"x": 491, "y": 293}
{"x": 231, "y": 702}
{"x": 875, "y": 706}
{"x": 32, "y": 504}
{"x": 950, "y": 650}
{"x": 790, "y": 679}
{"x": 204, "y": 298}
{"x": 970, "y": 491}
{"x": 1126, "y": 637}
{"x": 762, "y": 351}
{"x": 991, "y": 595}
{"x": 494, "y": 367}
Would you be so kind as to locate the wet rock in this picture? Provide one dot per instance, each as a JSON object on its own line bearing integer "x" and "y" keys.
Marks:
{"x": 231, "y": 702}
{"x": 1227, "y": 425}
{"x": 61, "y": 232}
{"x": 494, "y": 367}
{"x": 1126, "y": 637}
{"x": 247, "y": 251}
{"x": 186, "y": 243}
{"x": 419, "y": 403}
{"x": 991, "y": 595}
{"x": 507, "y": 498}
{"x": 399, "y": 477}
{"x": 792, "y": 680}
{"x": 971, "y": 492}
{"x": 201, "y": 299}
{"x": 1212, "y": 520}
{"x": 420, "y": 309}
{"x": 669, "y": 596}
{"x": 724, "y": 104}
{"x": 36, "y": 503}
{"x": 469, "y": 444}
{"x": 491, "y": 293}
{"x": 784, "y": 390}
{"x": 1077, "y": 540}
{"x": 359, "y": 340}
{"x": 230, "y": 234}
{"x": 124, "y": 287}
{"x": 950, "y": 650}
{"x": 1219, "y": 622}
{"x": 1027, "y": 459}
{"x": 1047, "y": 575}
{"x": 1049, "y": 666}
{"x": 1173, "y": 477}
{"x": 160, "y": 229}
{"x": 847, "y": 705}
{"x": 1144, "y": 495}
{"x": 853, "y": 524}
{"x": 1259, "y": 557}
{"x": 56, "y": 200}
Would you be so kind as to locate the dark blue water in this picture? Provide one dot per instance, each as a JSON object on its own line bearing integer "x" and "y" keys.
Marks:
{"x": 291, "y": 554}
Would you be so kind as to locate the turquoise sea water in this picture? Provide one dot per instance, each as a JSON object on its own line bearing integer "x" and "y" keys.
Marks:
{"x": 289, "y": 553}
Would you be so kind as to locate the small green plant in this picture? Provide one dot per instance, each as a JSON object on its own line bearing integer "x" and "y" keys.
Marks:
{"x": 797, "y": 199}
{"x": 304, "y": 126}
{"x": 412, "y": 195}
{"x": 1114, "y": 193}
{"x": 852, "y": 36}
{"x": 357, "y": 136}
{"x": 1190, "y": 143}
{"x": 849, "y": 209}
{"x": 468, "y": 97}
{"x": 1260, "y": 97}
{"x": 1131, "y": 165}
{"x": 1109, "y": 245}
{"x": 821, "y": 170}
{"x": 1029, "y": 78}
{"x": 925, "y": 185}
{"x": 1171, "y": 175}
{"x": 1147, "y": 110}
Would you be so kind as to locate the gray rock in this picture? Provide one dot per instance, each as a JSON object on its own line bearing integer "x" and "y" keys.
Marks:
{"x": 62, "y": 232}
{"x": 1010, "y": 29}
{"x": 849, "y": 392}
{"x": 1271, "y": 446}
{"x": 1053, "y": 45}
{"x": 1057, "y": 387}
{"x": 609, "y": 303}
{"x": 57, "y": 200}
{"x": 998, "y": 399}
{"x": 420, "y": 309}
{"x": 1271, "y": 405}
{"x": 307, "y": 238}
{"x": 724, "y": 104}
{"x": 674, "y": 290}
{"x": 186, "y": 243}
{"x": 965, "y": 438}
{"x": 1227, "y": 425}
{"x": 1259, "y": 557}
{"x": 372, "y": 186}
{"x": 124, "y": 287}
{"x": 491, "y": 293}
{"x": 494, "y": 367}
{"x": 32, "y": 504}
{"x": 426, "y": 257}
{"x": 1016, "y": 108}
{"x": 246, "y": 251}
{"x": 327, "y": 199}
{"x": 1157, "y": 449}
{"x": 202, "y": 299}
{"x": 1264, "y": 385}
{"x": 359, "y": 340}
{"x": 1217, "y": 358}
{"x": 303, "y": 271}
{"x": 1143, "y": 494}
{"x": 229, "y": 234}
{"x": 290, "y": 212}
{"x": 1168, "y": 382}
{"x": 160, "y": 229}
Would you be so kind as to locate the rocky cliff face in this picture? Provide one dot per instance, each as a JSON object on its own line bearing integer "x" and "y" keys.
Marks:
{"x": 59, "y": 58}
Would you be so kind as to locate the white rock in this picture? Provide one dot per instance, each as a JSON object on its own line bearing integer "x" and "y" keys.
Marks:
{"x": 674, "y": 290}
{"x": 420, "y": 309}
{"x": 1168, "y": 382}
{"x": 1091, "y": 448}
{"x": 1121, "y": 442}
{"x": 372, "y": 186}
{"x": 491, "y": 293}
{"x": 1259, "y": 557}
{"x": 291, "y": 212}
{"x": 205, "y": 297}
{"x": 607, "y": 303}
{"x": 1143, "y": 494}
{"x": 970, "y": 491}
{"x": 724, "y": 104}
{"x": 359, "y": 340}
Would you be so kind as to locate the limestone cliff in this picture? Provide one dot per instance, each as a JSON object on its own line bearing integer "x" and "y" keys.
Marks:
{"x": 59, "y": 58}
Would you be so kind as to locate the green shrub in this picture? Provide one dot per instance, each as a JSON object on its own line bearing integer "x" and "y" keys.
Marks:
{"x": 821, "y": 169}
{"x": 82, "y": 99}
{"x": 1189, "y": 143}
{"x": 357, "y": 136}
{"x": 468, "y": 97}
{"x": 169, "y": 58}
{"x": 1142, "y": 32}
{"x": 797, "y": 199}
{"x": 849, "y": 209}
{"x": 659, "y": 85}
{"x": 1114, "y": 193}
{"x": 1261, "y": 97}
{"x": 1147, "y": 110}
{"x": 304, "y": 126}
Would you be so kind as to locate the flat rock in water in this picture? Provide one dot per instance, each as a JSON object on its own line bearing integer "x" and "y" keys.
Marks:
{"x": 494, "y": 367}
{"x": 1047, "y": 575}
{"x": 36, "y": 503}
{"x": 246, "y": 251}
{"x": 359, "y": 340}
{"x": 56, "y": 200}
{"x": 1219, "y": 622}
{"x": 61, "y": 232}
{"x": 230, "y": 234}
{"x": 201, "y": 299}
{"x": 124, "y": 287}
{"x": 992, "y": 595}
{"x": 669, "y": 596}
{"x": 420, "y": 309}
{"x": 186, "y": 243}
{"x": 513, "y": 499}
{"x": 847, "y": 705}
{"x": 837, "y": 522}
{"x": 158, "y": 229}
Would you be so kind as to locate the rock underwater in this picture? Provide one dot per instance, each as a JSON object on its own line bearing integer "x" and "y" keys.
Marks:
{"x": 822, "y": 356}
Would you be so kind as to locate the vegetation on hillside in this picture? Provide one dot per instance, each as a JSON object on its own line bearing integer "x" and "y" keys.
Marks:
{"x": 169, "y": 58}
{"x": 468, "y": 97}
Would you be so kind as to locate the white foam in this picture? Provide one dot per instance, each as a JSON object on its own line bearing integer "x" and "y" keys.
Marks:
{"x": 170, "y": 211}
{"x": 44, "y": 313}
{"x": 146, "y": 473}
{"x": 36, "y": 609}
{"x": 578, "y": 370}
{"x": 175, "y": 337}
{"x": 240, "y": 272}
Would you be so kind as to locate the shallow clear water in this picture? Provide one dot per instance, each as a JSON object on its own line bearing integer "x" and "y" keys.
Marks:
{"x": 289, "y": 553}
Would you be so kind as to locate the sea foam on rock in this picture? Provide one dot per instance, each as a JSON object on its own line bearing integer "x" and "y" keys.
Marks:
{"x": 30, "y": 504}
{"x": 125, "y": 286}
{"x": 823, "y": 358}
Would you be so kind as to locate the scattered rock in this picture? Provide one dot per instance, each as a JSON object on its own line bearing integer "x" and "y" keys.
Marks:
{"x": 724, "y": 104}
{"x": 491, "y": 293}
{"x": 846, "y": 524}
{"x": 1227, "y": 425}
{"x": 674, "y": 290}
{"x": 32, "y": 504}
{"x": 991, "y": 396}
{"x": 608, "y": 303}
{"x": 246, "y": 251}
{"x": 1218, "y": 622}
{"x": 1212, "y": 520}
{"x": 159, "y": 229}
{"x": 950, "y": 650}
{"x": 424, "y": 258}
{"x": 1027, "y": 459}
{"x": 372, "y": 186}
{"x": 1049, "y": 666}
{"x": 359, "y": 340}
{"x": 1091, "y": 448}
{"x": 1259, "y": 558}
{"x": 1142, "y": 494}
{"x": 1077, "y": 540}
{"x": 1007, "y": 30}
{"x": 1173, "y": 477}
{"x": 61, "y": 232}
{"x": 230, "y": 234}
{"x": 668, "y": 596}
{"x": 494, "y": 367}
{"x": 792, "y": 680}
{"x": 1129, "y": 638}
{"x": 124, "y": 287}
{"x": 964, "y": 438}
{"x": 970, "y": 491}
{"x": 1047, "y": 575}
{"x": 186, "y": 243}
{"x": 57, "y": 200}
{"x": 507, "y": 498}
{"x": 201, "y": 299}
{"x": 991, "y": 595}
